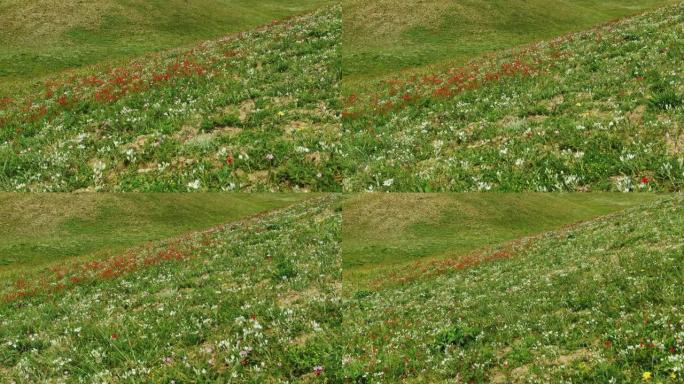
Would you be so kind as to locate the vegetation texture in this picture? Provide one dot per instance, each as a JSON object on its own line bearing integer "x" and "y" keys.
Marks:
{"x": 597, "y": 110}
{"x": 45, "y": 228}
{"x": 39, "y": 38}
{"x": 248, "y": 302}
{"x": 257, "y": 111}
{"x": 386, "y": 234}
{"x": 384, "y": 36}
{"x": 598, "y": 302}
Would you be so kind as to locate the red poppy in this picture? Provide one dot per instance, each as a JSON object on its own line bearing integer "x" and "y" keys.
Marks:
{"x": 644, "y": 180}
{"x": 229, "y": 160}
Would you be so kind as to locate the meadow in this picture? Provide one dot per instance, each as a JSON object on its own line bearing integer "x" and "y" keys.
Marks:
{"x": 262, "y": 111}
{"x": 386, "y": 235}
{"x": 249, "y": 301}
{"x": 593, "y": 302}
{"x": 384, "y": 37}
{"x": 39, "y": 229}
{"x": 39, "y": 38}
{"x": 254, "y": 111}
{"x": 309, "y": 96}
{"x": 599, "y": 110}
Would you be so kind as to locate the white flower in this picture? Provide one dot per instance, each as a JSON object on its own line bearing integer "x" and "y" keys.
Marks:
{"x": 623, "y": 184}
{"x": 388, "y": 182}
{"x": 99, "y": 166}
{"x": 627, "y": 157}
{"x": 194, "y": 184}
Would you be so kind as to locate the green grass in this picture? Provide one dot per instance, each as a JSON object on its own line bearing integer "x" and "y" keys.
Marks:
{"x": 383, "y": 37}
{"x": 248, "y": 302}
{"x": 40, "y": 229}
{"x": 385, "y": 231}
{"x": 254, "y": 112}
{"x": 264, "y": 299}
{"x": 596, "y": 302}
{"x": 599, "y": 110}
{"x": 40, "y": 38}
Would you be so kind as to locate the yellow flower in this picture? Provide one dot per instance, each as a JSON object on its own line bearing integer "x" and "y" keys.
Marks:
{"x": 673, "y": 376}
{"x": 281, "y": 113}
{"x": 647, "y": 375}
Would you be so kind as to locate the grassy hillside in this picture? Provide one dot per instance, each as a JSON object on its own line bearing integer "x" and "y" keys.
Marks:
{"x": 247, "y": 302}
{"x": 597, "y": 110}
{"x": 389, "y": 233}
{"x": 48, "y": 228}
{"x": 599, "y": 302}
{"x": 384, "y": 36}
{"x": 40, "y": 37}
{"x": 254, "y": 112}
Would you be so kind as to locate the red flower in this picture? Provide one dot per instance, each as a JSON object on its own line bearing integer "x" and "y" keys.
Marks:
{"x": 644, "y": 180}
{"x": 229, "y": 160}
{"x": 318, "y": 370}
{"x": 115, "y": 336}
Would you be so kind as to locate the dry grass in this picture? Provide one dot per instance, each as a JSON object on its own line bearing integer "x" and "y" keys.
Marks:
{"x": 41, "y": 21}
{"x": 390, "y": 19}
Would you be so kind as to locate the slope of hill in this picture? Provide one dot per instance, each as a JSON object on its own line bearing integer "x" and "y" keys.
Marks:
{"x": 384, "y": 36}
{"x": 599, "y": 302}
{"x": 246, "y": 302}
{"x": 39, "y": 37}
{"x": 46, "y": 228}
{"x": 256, "y": 111}
{"x": 597, "y": 110}
{"x": 386, "y": 234}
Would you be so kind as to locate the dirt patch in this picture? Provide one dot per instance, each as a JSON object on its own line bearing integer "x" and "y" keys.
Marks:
{"x": 296, "y": 126}
{"x": 291, "y": 298}
{"x": 636, "y": 116}
{"x": 186, "y": 133}
{"x": 674, "y": 140}
{"x": 580, "y": 354}
{"x": 139, "y": 143}
{"x": 227, "y": 131}
{"x": 242, "y": 110}
{"x": 245, "y": 109}
{"x": 282, "y": 101}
